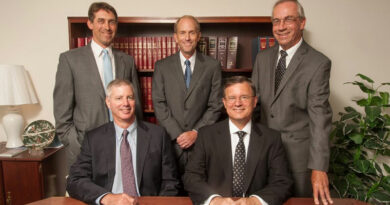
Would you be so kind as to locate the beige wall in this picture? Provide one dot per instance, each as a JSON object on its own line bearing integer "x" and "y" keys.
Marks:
{"x": 353, "y": 33}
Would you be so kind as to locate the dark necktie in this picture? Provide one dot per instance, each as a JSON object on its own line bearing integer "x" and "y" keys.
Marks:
{"x": 280, "y": 69}
{"x": 187, "y": 73}
{"x": 239, "y": 166}
{"x": 128, "y": 179}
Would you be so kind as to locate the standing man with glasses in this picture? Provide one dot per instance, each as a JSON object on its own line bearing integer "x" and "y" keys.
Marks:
{"x": 123, "y": 159}
{"x": 292, "y": 82}
{"x": 186, "y": 89}
{"x": 82, "y": 77}
{"x": 237, "y": 157}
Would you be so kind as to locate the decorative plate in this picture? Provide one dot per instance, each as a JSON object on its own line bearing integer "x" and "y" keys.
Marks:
{"x": 38, "y": 134}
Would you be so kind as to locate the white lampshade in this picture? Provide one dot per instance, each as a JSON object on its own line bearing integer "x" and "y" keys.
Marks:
{"x": 15, "y": 86}
{"x": 15, "y": 89}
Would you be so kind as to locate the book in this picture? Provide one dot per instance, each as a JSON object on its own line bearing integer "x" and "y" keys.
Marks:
{"x": 232, "y": 52}
{"x": 11, "y": 152}
{"x": 222, "y": 50}
{"x": 202, "y": 45}
{"x": 212, "y": 47}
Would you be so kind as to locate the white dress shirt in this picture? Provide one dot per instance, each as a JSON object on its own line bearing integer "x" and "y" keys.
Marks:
{"x": 191, "y": 59}
{"x": 97, "y": 51}
{"x": 290, "y": 52}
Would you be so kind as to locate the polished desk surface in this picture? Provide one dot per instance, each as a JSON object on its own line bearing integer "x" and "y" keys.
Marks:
{"x": 184, "y": 201}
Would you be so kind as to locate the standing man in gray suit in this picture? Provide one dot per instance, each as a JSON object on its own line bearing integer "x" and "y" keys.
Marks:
{"x": 186, "y": 89}
{"x": 82, "y": 77}
{"x": 292, "y": 81}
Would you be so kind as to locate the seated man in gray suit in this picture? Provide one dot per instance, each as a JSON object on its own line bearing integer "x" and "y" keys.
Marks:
{"x": 123, "y": 159}
{"x": 186, "y": 89}
{"x": 82, "y": 77}
{"x": 236, "y": 157}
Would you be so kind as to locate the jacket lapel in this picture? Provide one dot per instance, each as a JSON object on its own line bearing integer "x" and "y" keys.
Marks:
{"x": 225, "y": 149}
{"x": 196, "y": 74}
{"x": 273, "y": 62}
{"x": 94, "y": 70}
{"x": 179, "y": 71}
{"x": 291, "y": 68}
{"x": 111, "y": 148}
{"x": 255, "y": 150}
{"x": 143, "y": 140}
{"x": 119, "y": 65}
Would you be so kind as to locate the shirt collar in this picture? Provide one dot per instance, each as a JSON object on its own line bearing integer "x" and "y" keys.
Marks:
{"x": 291, "y": 51}
{"x": 191, "y": 59}
{"x": 97, "y": 49}
{"x": 233, "y": 128}
{"x": 119, "y": 130}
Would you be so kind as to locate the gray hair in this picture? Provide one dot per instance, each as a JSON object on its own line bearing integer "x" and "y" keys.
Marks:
{"x": 301, "y": 12}
{"x": 117, "y": 83}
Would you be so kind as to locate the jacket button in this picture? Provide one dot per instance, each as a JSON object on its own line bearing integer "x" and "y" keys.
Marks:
{"x": 272, "y": 116}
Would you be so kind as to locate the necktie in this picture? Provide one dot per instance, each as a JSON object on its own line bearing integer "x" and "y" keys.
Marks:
{"x": 128, "y": 179}
{"x": 280, "y": 69}
{"x": 107, "y": 73}
{"x": 187, "y": 74}
{"x": 239, "y": 166}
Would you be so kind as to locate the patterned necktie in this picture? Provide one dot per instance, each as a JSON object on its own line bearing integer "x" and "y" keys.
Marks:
{"x": 107, "y": 73}
{"x": 128, "y": 179}
{"x": 187, "y": 74}
{"x": 239, "y": 167}
{"x": 280, "y": 69}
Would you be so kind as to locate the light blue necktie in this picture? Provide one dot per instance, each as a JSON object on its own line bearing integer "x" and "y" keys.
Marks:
{"x": 107, "y": 72}
{"x": 187, "y": 74}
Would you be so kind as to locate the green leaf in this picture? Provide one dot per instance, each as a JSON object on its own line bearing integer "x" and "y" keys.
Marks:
{"x": 385, "y": 97}
{"x": 349, "y": 128}
{"x": 381, "y": 196}
{"x": 385, "y": 152}
{"x": 385, "y": 83}
{"x": 357, "y": 154}
{"x": 353, "y": 180}
{"x": 372, "y": 144}
{"x": 356, "y": 137}
{"x": 378, "y": 168}
{"x": 387, "y": 168}
{"x": 362, "y": 166}
{"x": 376, "y": 101}
{"x": 362, "y": 102}
{"x": 372, "y": 112}
{"x": 363, "y": 87}
{"x": 349, "y": 109}
{"x": 350, "y": 115}
{"x": 341, "y": 186}
{"x": 365, "y": 78}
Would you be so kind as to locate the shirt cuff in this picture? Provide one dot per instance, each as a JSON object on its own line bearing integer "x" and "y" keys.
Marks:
{"x": 207, "y": 202}
{"x": 260, "y": 199}
{"x": 97, "y": 201}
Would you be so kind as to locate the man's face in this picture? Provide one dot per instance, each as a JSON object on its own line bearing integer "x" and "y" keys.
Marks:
{"x": 122, "y": 104}
{"x": 103, "y": 27}
{"x": 287, "y": 26}
{"x": 187, "y": 36}
{"x": 239, "y": 102}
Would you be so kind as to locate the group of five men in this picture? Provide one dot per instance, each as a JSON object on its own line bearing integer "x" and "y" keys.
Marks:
{"x": 115, "y": 156}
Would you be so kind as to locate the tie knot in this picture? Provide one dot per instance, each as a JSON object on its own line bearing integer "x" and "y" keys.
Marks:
{"x": 283, "y": 53}
{"x": 187, "y": 62}
{"x": 125, "y": 133}
{"x": 105, "y": 51}
{"x": 241, "y": 134}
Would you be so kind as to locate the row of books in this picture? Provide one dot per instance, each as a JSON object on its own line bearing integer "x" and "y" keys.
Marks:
{"x": 146, "y": 89}
{"x": 146, "y": 50}
{"x": 222, "y": 48}
{"x": 261, "y": 43}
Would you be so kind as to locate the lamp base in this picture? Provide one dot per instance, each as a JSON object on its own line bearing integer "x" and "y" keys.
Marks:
{"x": 13, "y": 125}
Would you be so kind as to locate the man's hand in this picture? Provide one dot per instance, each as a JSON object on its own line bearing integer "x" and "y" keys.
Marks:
{"x": 186, "y": 139}
{"x": 248, "y": 201}
{"x": 320, "y": 183}
{"x": 222, "y": 201}
{"x": 118, "y": 199}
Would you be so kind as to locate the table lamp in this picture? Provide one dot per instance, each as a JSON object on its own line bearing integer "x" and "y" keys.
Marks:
{"x": 15, "y": 89}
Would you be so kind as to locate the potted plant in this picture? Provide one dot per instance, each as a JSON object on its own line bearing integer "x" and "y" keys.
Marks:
{"x": 358, "y": 139}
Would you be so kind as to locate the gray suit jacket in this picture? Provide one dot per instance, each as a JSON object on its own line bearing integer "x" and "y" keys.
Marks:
{"x": 299, "y": 109}
{"x": 93, "y": 173}
{"x": 210, "y": 168}
{"x": 178, "y": 109}
{"x": 79, "y": 96}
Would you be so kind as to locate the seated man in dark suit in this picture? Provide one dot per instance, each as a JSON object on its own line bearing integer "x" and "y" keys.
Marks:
{"x": 110, "y": 170}
{"x": 236, "y": 157}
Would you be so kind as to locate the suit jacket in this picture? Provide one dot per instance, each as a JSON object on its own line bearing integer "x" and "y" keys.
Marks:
{"x": 178, "y": 109}
{"x": 299, "y": 109}
{"x": 93, "y": 173}
{"x": 210, "y": 168}
{"x": 79, "y": 95}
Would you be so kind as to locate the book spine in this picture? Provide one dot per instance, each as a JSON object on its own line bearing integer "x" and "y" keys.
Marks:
{"x": 222, "y": 50}
{"x": 149, "y": 93}
{"x": 163, "y": 47}
{"x": 212, "y": 49}
{"x": 140, "y": 60}
{"x": 169, "y": 46}
{"x": 232, "y": 52}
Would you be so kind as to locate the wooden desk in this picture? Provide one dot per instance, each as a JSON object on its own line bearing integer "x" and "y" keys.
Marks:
{"x": 185, "y": 201}
{"x": 25, "y": 178}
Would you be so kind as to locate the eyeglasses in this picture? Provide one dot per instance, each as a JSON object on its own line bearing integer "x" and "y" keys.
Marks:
{"x": 243, "y": 98}
{"x": 287, "y": 20}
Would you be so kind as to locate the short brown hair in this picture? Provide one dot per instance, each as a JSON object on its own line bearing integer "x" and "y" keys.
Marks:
{"x": 237, "y": 79}
{"x": 96, "y": 6}
{"x": 197, "y": 25}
